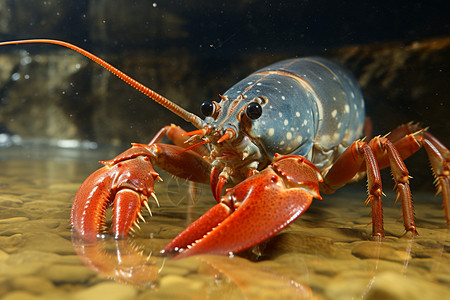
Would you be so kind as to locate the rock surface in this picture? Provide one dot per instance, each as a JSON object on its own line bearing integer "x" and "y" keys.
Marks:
{"x": 190, "y": 55}
{"x": 60, "y": 95}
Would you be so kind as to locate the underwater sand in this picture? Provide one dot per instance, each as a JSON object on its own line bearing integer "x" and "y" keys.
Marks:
{"x": 325, "y": 254}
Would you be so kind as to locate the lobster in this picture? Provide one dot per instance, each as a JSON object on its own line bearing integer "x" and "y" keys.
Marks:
{"x": 275, "y": 139}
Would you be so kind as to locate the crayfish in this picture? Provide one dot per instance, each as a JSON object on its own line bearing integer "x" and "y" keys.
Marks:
{"x": 277, "y": 137}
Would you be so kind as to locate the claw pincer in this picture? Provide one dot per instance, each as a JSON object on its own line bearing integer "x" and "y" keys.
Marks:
{"x": 125, "y": 183}
{"x": 254, "y": 210}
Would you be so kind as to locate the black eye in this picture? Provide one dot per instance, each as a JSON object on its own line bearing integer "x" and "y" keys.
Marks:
{"x": 207, "y": 108}
{"x": 253, "y": 110}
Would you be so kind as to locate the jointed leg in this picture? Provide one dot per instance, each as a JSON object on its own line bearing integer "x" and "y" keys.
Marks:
{"x": 350, "y": 166}
{"x": 390, "y": 151}
{"x": 439, "y": 157}
{"x": 176, "y": 135}
{"x": 409, "y": 138}
{"x": 383, "y": 149}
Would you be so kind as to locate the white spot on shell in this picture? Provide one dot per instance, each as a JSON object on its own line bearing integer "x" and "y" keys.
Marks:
{"x": 280, "y": 114}
{"x": 359, "y": 128}
{"x": 347, "y": 131}
{"x": 336, "y": 136}
{"x": 347, "y": 108}
{"x": 297, "y": 114}
{"x": 283, "y": 98}
{"x": 334, "y": 113}
{"x": 271, "y": 131}
{"x": 325, "y": 139}
{"x": 289, "y": 135}
{"x": 286, "y": 122}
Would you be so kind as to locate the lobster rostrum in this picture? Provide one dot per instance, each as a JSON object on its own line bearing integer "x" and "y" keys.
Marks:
{"x": 276, "y": 138}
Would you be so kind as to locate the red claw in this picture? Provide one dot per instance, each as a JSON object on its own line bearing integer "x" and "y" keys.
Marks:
{"x": 125, "y": 182}
{"x": 253, "y": 211}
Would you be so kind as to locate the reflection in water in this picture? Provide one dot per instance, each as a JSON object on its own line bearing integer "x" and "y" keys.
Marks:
{"x": 119, "y": 260}
{"x": 122, "y": 260}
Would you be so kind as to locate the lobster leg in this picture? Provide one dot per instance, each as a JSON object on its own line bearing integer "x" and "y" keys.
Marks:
{"x": 391, "y": 151}
{"x": 439, "y": 157}
{"x": 350, "y": 166}
{"x": 385, "y": 148}
{"x": 252, "y": 211}
{"x": 408, "y": 139}
{"x": 178, "y": 136}
{"x": 347, "y": 167}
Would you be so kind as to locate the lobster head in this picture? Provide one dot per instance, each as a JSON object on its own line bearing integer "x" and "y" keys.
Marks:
{"x": 272, "y": 108}
{"x": 257, "y": 118}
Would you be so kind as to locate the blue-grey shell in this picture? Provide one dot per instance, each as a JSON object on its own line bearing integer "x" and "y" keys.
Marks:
{"x": 314, "y": 107}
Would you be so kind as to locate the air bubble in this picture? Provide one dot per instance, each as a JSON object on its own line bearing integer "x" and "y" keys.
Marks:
{"x": 26, "y": 60}
{"x": 15, "y": 76}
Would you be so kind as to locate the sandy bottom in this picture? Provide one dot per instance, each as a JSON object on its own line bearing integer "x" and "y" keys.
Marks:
{"x": 325, "y": 254}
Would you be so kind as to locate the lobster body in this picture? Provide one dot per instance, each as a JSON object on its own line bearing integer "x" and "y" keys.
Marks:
{"x": 313, "y": 108}
{"x": 274, "y": 137}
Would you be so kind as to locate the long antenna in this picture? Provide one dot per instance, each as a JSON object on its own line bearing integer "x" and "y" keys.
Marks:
{"x": 178, "y": 110}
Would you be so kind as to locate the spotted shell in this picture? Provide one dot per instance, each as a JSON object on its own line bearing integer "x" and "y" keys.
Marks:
{"x": 311, "y": 107}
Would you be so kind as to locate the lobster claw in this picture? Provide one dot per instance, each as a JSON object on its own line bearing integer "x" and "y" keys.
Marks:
{"x": 126, "y": 183}
{"x": 254, "y": 210}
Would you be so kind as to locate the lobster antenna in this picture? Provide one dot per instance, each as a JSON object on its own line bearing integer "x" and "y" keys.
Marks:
{"x": 178, "y": 110}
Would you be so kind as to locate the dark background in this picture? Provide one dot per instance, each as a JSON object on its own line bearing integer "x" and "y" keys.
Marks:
{"x": 223, "y": 28}
{"x": 230, "y": 27}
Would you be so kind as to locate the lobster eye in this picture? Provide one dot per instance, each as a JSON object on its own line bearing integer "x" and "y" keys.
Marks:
{"x": 253, "y": 110}
{"x": 207, "y": 108}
